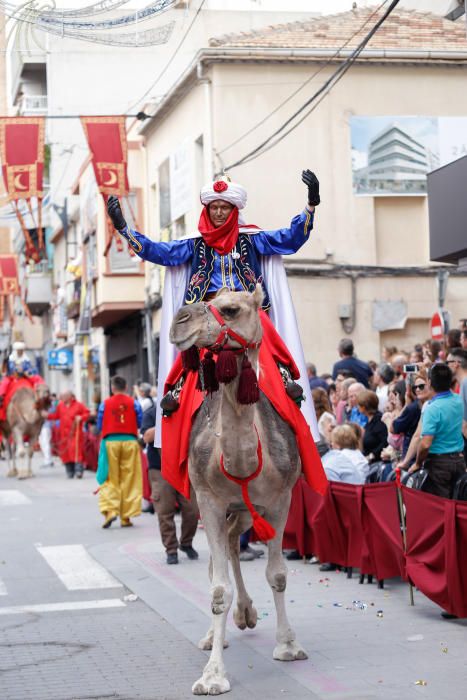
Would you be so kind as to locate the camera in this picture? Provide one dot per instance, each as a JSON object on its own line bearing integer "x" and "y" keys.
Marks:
{"x": 410, "y": 369}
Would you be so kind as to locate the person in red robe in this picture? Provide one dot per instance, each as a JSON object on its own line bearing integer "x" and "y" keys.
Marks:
{"x": 72, "y": 414}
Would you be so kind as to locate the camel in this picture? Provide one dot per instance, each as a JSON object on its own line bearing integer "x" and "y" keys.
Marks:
{"x": 223, "y": 427}
{"x": 24, "y": 417}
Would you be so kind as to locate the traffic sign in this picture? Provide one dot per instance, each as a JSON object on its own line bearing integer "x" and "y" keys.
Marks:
{"x": 437, "y": 326}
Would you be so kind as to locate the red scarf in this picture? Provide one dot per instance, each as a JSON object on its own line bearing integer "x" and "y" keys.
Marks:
{"x": 222, "y": 239}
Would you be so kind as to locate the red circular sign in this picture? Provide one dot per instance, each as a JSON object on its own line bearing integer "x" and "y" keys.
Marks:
{"x": 437, "y": 326}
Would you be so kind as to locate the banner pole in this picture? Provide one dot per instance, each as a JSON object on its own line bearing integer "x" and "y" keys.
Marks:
{"x": 404, "y": 525}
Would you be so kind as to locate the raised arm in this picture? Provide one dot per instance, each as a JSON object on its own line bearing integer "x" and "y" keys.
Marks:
{"x": 160, "y": 253}
{"x": 285, "y": 241}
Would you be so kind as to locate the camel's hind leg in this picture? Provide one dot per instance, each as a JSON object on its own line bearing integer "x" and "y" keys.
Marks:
{"x": 245, "y": 614}
{"x": 287, "y": 648}
{"x": 214, "y": 681}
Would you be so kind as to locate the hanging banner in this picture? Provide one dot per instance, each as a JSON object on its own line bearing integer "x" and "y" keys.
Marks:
{"x": 10, "y": 287}
{"x": 106, "y": 137}
{"x": 22, "y": 155}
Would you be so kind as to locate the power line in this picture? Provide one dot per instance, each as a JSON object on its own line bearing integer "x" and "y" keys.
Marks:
{"x": 171, "y": 59}
{"x": 320, "y": 93}
{"x": 295, "y": 92}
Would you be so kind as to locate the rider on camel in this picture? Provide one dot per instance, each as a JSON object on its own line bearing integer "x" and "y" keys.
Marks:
{"x": 19, "y": 366}
{"x": 227, "y": 253}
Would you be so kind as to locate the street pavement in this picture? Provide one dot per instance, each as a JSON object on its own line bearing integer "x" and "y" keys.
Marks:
{"x": 87, "y": 613}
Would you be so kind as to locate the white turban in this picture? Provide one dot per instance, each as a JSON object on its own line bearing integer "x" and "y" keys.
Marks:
{"x": 19, "y": 345}
{"x": 230, "y": 192}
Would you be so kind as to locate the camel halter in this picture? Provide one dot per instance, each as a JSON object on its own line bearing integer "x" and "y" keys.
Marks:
{"x": 225, "y": 333}
{"x": 264, "y": 530}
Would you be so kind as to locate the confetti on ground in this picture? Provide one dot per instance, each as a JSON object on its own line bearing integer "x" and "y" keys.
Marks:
{"x": 359, "y": 605}
{"x": 319, "y": 605}
{"x": 130, "y": 598}
{"x": 379, "y": 613}
{"x": 337, "y": 605}
{"x": 415, "y": 638}
{"x": 250, "y": 665}
{"x": 421, "y": 683}
{"x": 444, "y": 650}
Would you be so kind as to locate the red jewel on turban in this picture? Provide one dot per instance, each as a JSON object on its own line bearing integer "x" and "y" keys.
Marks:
{"x": 220, "y": 186}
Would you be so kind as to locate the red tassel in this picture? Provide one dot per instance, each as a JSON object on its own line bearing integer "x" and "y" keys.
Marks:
{"x": 248, "y": 389}
{"x": 263, "y": 529}
{"x": 226, "y": 366}
{"x": 190, "y": 358}
{"x": 208, "y": 368}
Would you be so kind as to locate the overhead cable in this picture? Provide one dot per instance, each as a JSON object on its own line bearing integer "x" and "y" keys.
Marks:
{"x": 322, "y": 91}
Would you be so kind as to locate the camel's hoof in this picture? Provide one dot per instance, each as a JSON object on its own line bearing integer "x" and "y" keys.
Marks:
{"x": 245, "y": 617}
{"x": 212, "y": 686}
{"x": 23, "y": 476}
{"x": 289, "y": 651}
{"x": 218, "y": 603}
{"x": 12, "y": 473}
{"x": 280, "y": 583}
{"x": 206, "y": 644}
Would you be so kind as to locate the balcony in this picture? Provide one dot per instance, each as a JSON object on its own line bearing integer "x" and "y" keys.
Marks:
{"x": 32, "y": 105}
{"x": 38, "y": 292}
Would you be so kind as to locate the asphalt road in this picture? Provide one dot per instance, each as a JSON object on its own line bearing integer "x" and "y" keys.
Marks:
{"x": 87, "y": 613}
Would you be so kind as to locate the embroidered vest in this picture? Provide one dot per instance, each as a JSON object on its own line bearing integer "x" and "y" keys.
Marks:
{"x": 246, "y": 266}
{"x": 119, "y": 416}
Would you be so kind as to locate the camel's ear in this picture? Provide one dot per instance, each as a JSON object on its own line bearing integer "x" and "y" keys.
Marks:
{"x": 258, "y": 296}
{"x": 223, "y": 290}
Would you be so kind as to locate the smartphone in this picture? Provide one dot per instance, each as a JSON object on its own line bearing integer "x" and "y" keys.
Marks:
{"x": 410, "y": 369}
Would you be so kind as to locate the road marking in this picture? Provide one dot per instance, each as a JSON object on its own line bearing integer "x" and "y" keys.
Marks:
{"x": 3, "y": 590}
{"x": 10, "y": 497}
{"x": 77, "y": 569}
{"x": 63, "y": 607}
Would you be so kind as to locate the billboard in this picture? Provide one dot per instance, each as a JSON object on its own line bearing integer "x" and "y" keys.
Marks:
{"x": 392, "y": 155}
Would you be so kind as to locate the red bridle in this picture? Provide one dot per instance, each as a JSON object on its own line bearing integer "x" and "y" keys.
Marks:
{"x": 225, "y": 333}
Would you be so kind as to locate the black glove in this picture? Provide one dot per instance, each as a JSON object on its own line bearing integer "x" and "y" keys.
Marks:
{"x": 115, "y": 213}
{"x": 312, "y": 182}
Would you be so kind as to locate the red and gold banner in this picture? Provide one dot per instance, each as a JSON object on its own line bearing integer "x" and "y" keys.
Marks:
{"x": 9, "y": 286}
{"x": 22, "y": 155}
{"x": 106, "y": 137}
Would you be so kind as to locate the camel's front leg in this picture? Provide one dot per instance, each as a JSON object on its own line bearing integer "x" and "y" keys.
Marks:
{"x": 245, "y": 614}
{"x": 19, "y": 453}
{"x": 213, "y": 681}
{"x": 10, "y": 456}
{"x": 287, "y": 648}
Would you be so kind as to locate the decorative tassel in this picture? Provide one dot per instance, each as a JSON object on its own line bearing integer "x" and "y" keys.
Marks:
{"x": 190, "y": 358}
{"x": 226, "y": 366}
{"x": 248, "y": 389}
{"x": 208, "y": 368}
{"x": 263, "y": 529}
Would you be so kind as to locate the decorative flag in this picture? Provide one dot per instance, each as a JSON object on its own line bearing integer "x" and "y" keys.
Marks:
{"x": 106, "y": 137}
{"x": 9, "y": 286}
{"x": 22, "y": 155}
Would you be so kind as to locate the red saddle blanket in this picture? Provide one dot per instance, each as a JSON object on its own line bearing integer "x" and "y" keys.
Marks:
{"x": 176, "y": 429}
{"x": 11, "y": 389}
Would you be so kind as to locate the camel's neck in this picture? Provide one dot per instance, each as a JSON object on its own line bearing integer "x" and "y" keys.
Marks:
{"x": 238, "y": 440}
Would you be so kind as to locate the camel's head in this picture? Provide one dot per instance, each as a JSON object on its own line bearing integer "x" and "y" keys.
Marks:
{"x": 196, "y": 325}
{"x": 43, "y": 399}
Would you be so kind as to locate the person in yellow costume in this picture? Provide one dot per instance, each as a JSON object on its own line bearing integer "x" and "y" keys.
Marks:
{"x": 119, "y": 465}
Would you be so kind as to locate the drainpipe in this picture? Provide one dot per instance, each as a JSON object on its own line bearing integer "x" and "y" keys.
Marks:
{"x": 208, "y": 121}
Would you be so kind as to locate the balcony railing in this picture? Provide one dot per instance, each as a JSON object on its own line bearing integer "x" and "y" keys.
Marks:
{"x": 29, "y": 105}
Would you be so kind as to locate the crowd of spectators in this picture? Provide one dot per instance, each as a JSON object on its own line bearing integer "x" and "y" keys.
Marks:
{"x": 408, "y": 411}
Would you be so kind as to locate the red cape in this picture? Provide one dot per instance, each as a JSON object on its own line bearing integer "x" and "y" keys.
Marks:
{"x": 176, "y": 429}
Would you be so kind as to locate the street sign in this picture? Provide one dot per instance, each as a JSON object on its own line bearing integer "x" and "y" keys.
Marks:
{"x": 60, "y": 359}
{"x": 437, "y": 326}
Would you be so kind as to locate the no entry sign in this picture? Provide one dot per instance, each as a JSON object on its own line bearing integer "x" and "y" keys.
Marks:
{"x": 437, "y": 326}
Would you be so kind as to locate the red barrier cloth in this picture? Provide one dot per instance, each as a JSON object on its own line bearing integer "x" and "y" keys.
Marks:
{"x": 22, "y": 155}
{"x": 144, "y": 470}
{"x": 176, "y": 429}
{"x": 91, "y": 444}
{"x": 382, "y": 530}
{"x": 106, "y": 137}
{"x": 436, "y": 546}
{"x": 294, "y": 532}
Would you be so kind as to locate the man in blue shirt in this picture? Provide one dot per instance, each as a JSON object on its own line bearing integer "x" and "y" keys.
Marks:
{"x": 360, "y": 370}
{"x": 441, "y": 445}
